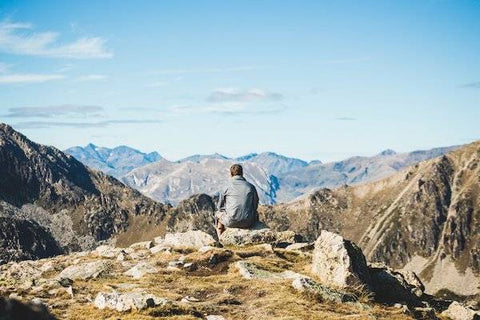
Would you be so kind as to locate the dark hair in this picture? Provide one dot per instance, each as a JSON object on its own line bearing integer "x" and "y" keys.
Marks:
{"x": 236, "y": 170}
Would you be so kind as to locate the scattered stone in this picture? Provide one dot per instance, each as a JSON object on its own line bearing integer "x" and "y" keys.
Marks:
{"x": 305, "y": 284}
{"x": 158, "y": 240}
{"x": 456, "y": 311}
{"x": 301, "y": 246}
{"x": 190, "y": 239}
{"x": 14, "y": 309}
{"x": 122, "y": 256}
{"x": 191, "y": 266}
{"x": 249, "y": 270}
{"x": 70, "y": 291}
{"x": 215, "y": 317}
{"x": 142, "y": 245}
{"x": 141, "y": 269}
{"x": 127, "y": 301}
{"x": 339, "y": 262}
{"x": 65, "y": 282}
{"x": 175, "y": 264}
{"x": 83, "y": 271}
{"x": 259, "y": 233}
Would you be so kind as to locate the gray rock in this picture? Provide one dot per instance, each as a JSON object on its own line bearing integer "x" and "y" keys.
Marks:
{"x": 394, "y": 286}
{"x": 141, "y": 269}
{"x": 127, "y": 301}
{"x": 259, "y": 233}
{"x": 142, "y": 245}
{"x": 83, "y": 271}
{"x": 456, "y": 311}
{"x": 215, "y": 317}
{"x": 159, "y": 248}
{"x": 249, "y": 270}
{"x": 190, "y": 266}
{"x": 339, "y": 262}
{"x": 190, "y": 239}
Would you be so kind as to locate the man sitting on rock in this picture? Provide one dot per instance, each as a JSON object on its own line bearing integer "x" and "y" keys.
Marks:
{"x": 237, "y": 206}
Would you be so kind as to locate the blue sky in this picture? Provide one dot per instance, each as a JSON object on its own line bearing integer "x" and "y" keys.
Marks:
{"x": 311, "y": 79}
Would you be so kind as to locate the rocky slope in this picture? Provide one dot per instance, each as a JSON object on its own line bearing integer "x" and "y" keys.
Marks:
{"x": 182, "y": 276}
{"x": 425, "y": 218}
{"x": 115, "y": 162}
{"x": 57, "y": 196}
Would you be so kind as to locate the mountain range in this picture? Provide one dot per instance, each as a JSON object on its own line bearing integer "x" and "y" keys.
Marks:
{"x": 423, "y": 218}
{"x": 277, "y": 178}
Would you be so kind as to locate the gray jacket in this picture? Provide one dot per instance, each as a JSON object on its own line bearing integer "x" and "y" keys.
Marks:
{"x": 239, "y": 201}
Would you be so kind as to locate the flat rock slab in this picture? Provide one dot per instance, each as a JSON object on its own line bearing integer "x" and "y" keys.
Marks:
{"x": 141, "y": 269}
{"x": 190, "y": 239}
{"x": 456, "y": 311}
{"x": 127, "y": 301}
{"x": 307, "y": 285}
{"x": 83, "y": 271}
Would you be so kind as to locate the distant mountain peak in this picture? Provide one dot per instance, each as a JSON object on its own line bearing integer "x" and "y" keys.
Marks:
{"x": 388, "y": 152}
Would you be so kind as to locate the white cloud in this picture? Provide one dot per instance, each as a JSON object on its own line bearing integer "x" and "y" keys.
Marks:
{"x": 53, "y": 111}
{"x": 230, "y": 109}
{"x": 28, "y": 78}
{"x": 20, "y": 38}
{"x": 92, "y": 77}
{"x": 236, "y": 95}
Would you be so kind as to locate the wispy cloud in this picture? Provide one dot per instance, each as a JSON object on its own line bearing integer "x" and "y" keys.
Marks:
{"x": 205, "y": 70}
{"x": 20, "y": 38}
{"x": 53, "y": 111}
{"x": 92, "y": 77}
{"x": 472, "y": 85}
{"x": 28, "y": 78}
{"x": 79, "y": 125}
{"x": 236, "y": 95}
{"x": 346, "y": 119}
{"x": 230, "y": 109}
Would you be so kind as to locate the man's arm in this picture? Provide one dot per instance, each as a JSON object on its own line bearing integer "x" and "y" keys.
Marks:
{"x": 221, "y": 200}
{"x": 255, "y": 202}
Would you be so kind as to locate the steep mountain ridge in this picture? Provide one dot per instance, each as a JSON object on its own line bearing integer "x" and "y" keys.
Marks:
{"x": 92, "y": 204}
{"x": 425, "y": 218}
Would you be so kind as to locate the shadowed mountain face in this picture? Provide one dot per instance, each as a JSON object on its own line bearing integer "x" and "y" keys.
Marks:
{"x": 425, "y": 218}
{"x": 87, "y": 203}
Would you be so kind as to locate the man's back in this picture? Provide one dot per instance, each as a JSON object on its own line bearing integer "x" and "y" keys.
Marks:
{"x": 240, "y": 202}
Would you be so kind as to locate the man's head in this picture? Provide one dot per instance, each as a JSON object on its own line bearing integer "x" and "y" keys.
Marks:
{"x": 236, "y": 170}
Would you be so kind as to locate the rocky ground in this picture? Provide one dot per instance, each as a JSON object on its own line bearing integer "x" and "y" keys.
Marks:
{"x": 259, "y": 274}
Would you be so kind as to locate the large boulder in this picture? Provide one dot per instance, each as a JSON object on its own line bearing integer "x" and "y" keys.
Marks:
{"x": 127, "y": 301}
{"x": 339, "y": 262}
{"x": 394, "y": 286}
{"x": 259, "y": 233}
{"x": 456, "y": 311}
{"x": 11, "y": 309}
{"x": 190, "y": 239}
{"x": 83, "y": 271}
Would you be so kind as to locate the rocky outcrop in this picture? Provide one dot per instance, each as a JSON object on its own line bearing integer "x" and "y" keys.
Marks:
{"x": 339, "y": 262}
{"x": 259, "y": 233}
